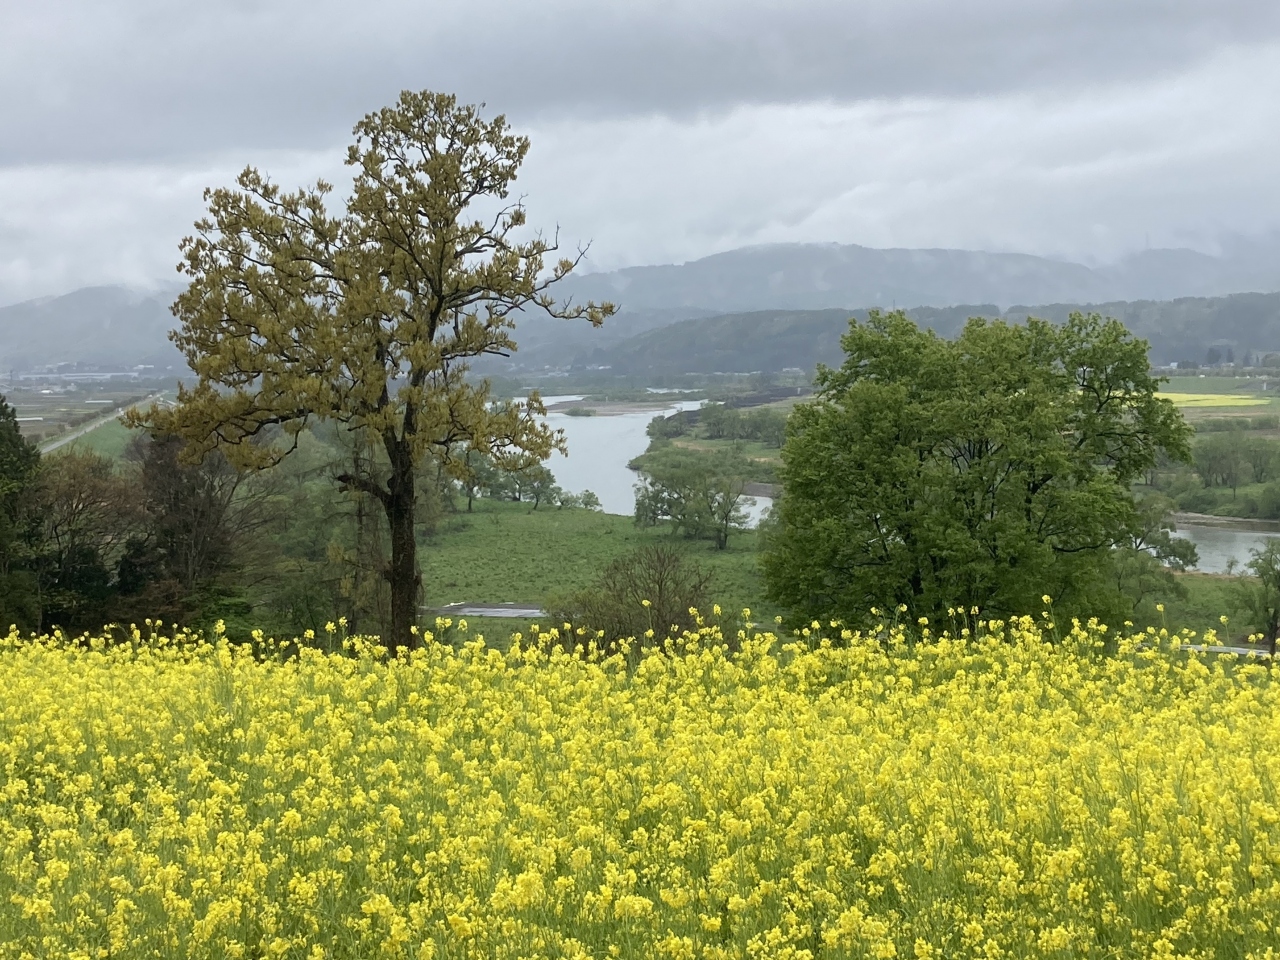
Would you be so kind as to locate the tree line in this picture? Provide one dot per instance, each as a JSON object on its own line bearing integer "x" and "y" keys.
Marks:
{"x": 1232, "y": 471}
{"x": 87, "y": 540}
{"x": 83, "y": 543}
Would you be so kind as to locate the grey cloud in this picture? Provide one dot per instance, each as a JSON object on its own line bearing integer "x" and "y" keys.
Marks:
{"x": 1177, "y": 162}
{"x": 139, "y": 79}
{"x": 662, "y": 131}
{"x": 1180, "y": 161}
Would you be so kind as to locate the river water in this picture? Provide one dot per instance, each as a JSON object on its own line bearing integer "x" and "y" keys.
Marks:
{"x": 600, "y": 448}
{"x": 1218, "y": 545}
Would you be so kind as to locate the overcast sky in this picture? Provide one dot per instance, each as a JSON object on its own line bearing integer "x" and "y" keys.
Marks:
{"x": 662, "y": 131}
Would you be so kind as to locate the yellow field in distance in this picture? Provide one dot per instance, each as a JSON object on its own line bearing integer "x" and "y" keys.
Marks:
{"x": 1213, "y": 400}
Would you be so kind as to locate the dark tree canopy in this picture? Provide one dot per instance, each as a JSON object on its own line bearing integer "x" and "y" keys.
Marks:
{"x": 984, "y": 471}
{"x": 19, "y": 524}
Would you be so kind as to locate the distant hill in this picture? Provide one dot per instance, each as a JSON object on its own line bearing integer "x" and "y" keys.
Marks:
{"x": 817, "y": 276}
{"x": 772, "y": 340}
{"x": 1187, "y": 328}
{"x": 800, "y": 277}
{"x": 102, "y": 326}
{"x": 108, "y": 326}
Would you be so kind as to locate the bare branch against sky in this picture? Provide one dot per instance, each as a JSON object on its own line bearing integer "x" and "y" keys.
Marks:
{"x": 664, "y": 131}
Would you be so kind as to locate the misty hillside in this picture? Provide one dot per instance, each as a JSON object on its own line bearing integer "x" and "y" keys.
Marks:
{"x": 797, "y": 277}
{"x": 818, "y": 276}
{"x": 102, "y": 326}
{"x": 114, "y": 326}
{"x": 772, "y": 340}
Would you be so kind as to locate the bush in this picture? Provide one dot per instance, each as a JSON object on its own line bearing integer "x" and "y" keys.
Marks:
{"x": 1221, "y": 424}
{"x": 650, "y": 591}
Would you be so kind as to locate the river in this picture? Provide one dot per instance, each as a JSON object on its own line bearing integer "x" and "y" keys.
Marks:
{"x": 1217, "y": 544}
{"x": 600, "y": 448}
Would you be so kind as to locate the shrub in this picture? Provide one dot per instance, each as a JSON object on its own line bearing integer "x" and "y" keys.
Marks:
{"x": 650, "y": 591}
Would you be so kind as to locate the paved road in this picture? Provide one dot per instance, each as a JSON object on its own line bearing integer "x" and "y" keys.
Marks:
{"x": 517, "y": 610}
{"x": 92, "y": 425}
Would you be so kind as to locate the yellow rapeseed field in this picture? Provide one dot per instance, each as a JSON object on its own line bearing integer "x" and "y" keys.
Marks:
{"x": 1013, "y": 793}
{"x": 1213, "y": 400}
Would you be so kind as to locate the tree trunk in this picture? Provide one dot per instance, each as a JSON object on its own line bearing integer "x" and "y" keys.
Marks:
{"x": 403, "y": 574}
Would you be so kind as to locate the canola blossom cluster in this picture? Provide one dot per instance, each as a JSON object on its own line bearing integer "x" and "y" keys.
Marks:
{"x": 1005, "y": 793}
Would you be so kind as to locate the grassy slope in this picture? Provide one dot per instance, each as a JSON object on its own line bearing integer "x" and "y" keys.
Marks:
{"x": 506, "y": 552}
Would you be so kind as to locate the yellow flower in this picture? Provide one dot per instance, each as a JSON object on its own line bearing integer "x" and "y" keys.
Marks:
{"x": 710, "y": 796}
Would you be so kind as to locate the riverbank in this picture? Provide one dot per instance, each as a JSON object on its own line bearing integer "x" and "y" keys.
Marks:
{"x": 610, "y": 408}
{"x": 1214, "y": 520}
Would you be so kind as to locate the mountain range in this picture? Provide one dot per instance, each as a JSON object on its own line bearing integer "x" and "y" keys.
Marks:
{"x": 106, "y": 327}
{"x": 817, "y": 276}
{"x": 847, "y": 278}
{"x": 1156, "y": 290}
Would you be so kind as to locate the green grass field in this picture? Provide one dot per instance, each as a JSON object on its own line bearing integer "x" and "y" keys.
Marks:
{"x": 110, "y": 439}
{"x": 751, "y": 449}
{"x": 507, "y": 552}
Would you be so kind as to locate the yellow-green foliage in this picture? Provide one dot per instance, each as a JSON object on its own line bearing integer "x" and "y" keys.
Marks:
{"x": 989, "y": 796}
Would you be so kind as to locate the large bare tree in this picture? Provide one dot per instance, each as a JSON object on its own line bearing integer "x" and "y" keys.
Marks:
{"x": 369, "y": 315}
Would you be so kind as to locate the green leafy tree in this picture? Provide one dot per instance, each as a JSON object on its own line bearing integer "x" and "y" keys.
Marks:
{"x": 477, "y": 474}
{"x": 702, "y": 495}
{"x": 664, "y": 427}
{"x": 1145, "y": 565}
{"x": 1261, "y": 454}
{"x": 984, "y": 471}
{"x": 536, "y": 484}
{"x": 720, "y": 422}
{"x": 767, "y": 426}
{"x": 368, "y": 315}
{"x": 1222, "y": 460}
